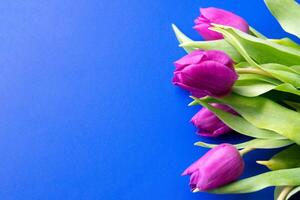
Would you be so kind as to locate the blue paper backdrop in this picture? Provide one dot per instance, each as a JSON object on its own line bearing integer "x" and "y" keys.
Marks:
{"x": 87, "y": 107}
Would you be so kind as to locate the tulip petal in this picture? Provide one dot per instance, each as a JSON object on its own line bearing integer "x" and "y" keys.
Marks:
{"x": 203, "y": 30}
{"x": 192, "y": 58}
{"x": 220, "y": 131}
{"x": 219, "y": 56}
{"x": 217, "y": 16}
{"x": 210, "y": 76}
{"x": 194, "y": 180}
{"x": 219, "y": 166}
{"x": 205, "y": 73}
{"x": 192, "y": 168}
{"x": 222, "y": 166}
{"x": 177, "y": 80}
{"x": 223, "y": 17}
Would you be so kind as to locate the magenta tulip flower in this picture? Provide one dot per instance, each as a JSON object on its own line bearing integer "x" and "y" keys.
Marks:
{"x": 209, "y": 124}
{"x": 217, "y": 16}
{"x": 219, "y": 166}
{"x": 205, "y": 73}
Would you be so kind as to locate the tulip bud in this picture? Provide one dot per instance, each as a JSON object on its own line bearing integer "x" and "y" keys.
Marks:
{"x": 219, "y": 166}
{"x": 217, "y": 16}
{"x": 209, "y": 124}
{"x": 205, "y": 73}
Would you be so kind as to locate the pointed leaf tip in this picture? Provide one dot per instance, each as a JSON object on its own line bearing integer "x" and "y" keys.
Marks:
{"x": 262, "y": 162}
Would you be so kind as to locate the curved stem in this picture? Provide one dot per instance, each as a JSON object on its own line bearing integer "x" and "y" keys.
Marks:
{"x": 283, "y": 194}
{"x": 250, "y": 70}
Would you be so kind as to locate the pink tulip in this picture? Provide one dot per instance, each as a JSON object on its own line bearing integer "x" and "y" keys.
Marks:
{"x": 219, "y": 166}
{"x": 217, "y": 16}
{"x": 205, "y": 73}
{"x": 209, "y": 124}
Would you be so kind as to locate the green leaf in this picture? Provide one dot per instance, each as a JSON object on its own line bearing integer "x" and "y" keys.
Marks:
{"x": 296, "y": 68}
{"x": 239, "y": 124}
{"x": 266, "y": 114}
{"x": 258, "y": 77}
{"x": 259, "y": 88}
{"x": 287, "y": 13}
{"x": 251, "y": 85}
{"x": 233, "y": 36}
{"x": 241, "y": 65}
{"x": 287, "y": 158}
{"x": 290, "y": 177}
{"x": 255, "y": 143}
{"x": 252, "y": 88}
{"x": 286, "y": 42}
{"x": 286, "y": 87}
{"x": 262, "y": 51}
{"x": 190, "y": 45}
{"x": 283, "y": 73}
{"x": 221, "y": 45}
{"x": 280, "y": 97}
{"x": 256, "y": 33}
{"x": 182, "y": 38}
{"x": 295, "y": 105}
{"x": 265, "y": 143}
{"x": 204, "y": 144}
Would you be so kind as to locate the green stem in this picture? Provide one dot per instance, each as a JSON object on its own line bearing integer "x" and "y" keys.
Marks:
{"x": 250, "y": 70}
{"x": 245, "y": 151}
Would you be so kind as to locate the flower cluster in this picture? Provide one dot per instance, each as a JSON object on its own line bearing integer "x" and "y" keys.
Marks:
{"x": 248, "y": 84}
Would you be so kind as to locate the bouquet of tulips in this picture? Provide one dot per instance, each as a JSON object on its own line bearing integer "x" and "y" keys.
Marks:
{"x": 250, "y": 84}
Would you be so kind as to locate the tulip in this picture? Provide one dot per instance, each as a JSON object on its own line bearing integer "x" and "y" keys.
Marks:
{"x": 205, "y": 73}
{"x": 209, "y": 124}
{"x": 219, "y": 166}
{"x": 217, "y": 16}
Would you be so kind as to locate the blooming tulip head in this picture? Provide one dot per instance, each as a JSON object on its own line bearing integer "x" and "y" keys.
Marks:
{"x": 217, "y": 16}
{"x": 209, "y": 124}
{"x": 219, "y": 166}
{"x": 205, "y": 73}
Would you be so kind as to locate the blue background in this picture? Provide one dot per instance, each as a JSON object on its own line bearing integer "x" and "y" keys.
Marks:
{"x": 87, "y": 107}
